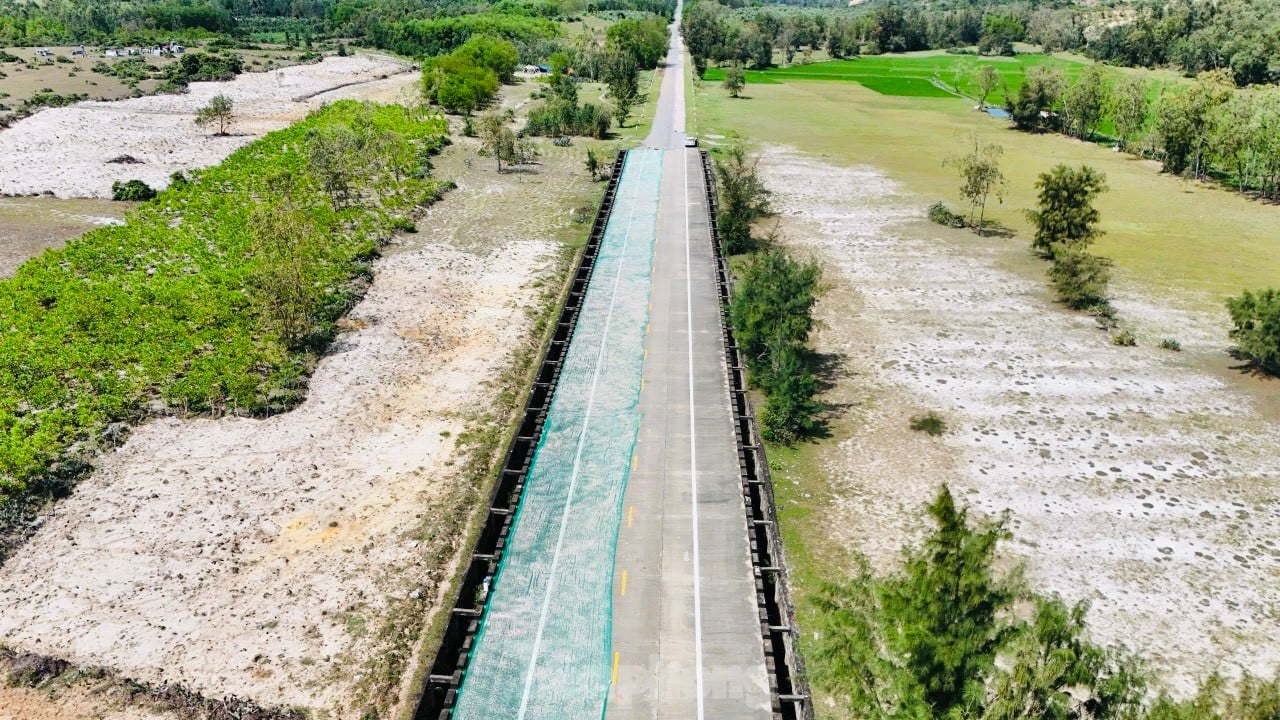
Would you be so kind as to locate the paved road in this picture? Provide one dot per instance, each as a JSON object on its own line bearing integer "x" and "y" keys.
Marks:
{"x": 686, "y": 635}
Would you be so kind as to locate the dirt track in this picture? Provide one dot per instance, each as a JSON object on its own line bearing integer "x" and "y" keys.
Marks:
{"x": 1142, "y": 480}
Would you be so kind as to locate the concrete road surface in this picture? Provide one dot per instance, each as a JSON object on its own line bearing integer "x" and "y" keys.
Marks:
{"x": 686, "y": 634}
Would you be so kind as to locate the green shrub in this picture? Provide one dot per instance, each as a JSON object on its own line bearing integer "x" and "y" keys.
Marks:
{"x": 558, "y": 116}
{"x": 1255, "y": 318}
{"x": 790, "y": 411}
{"x": 134, "y": 190}
{"x": 771, "y": 316}
{"x": 953, "y": 633}
{"x": 1170, "y": 344}
{"x": 942, "y": 215}
{"x": 457, "y": 84}
{"x": 203, "y": 67}
{"x": 743, "y": 199}
{"x": 1079, "y": 277}
{"x": 1124, "y": 338}
{"x": 929, "y": 423}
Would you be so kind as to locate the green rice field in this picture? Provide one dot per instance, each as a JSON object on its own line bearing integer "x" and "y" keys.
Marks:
{"x": 912, "y": 74}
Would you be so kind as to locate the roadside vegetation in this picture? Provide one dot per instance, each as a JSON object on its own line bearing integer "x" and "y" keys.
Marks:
{"x": 771, "y": 310}
{"x": 950, "y": 634}
{"x": 213, "y": 298}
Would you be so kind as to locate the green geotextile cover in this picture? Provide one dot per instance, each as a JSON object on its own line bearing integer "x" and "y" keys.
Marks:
{"x": 543, "y": 647}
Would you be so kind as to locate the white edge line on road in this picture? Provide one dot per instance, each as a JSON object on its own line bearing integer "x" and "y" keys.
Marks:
{"x": 577, "y": 462}
{"x": 693, "y": 448}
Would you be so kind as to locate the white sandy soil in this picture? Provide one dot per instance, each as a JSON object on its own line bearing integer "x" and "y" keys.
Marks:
{"x": 1138, "y": 478}
{"x": 254, "y": 557}
{"x": 65, "y": 150}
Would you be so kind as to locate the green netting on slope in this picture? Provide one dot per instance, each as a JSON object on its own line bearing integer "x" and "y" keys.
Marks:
{"x": 543, "y": 650}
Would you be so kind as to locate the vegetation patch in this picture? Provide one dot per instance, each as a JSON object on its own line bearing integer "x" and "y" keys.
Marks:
{"x": 771, "y": 310}
{"x": 215, "y": 297}
{"x": 930, "y": 423}
{"x": 949, "y": 635}
{"x": 1255, "y": 319}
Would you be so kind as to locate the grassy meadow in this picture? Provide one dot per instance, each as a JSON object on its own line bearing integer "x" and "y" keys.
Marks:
{"x": 1172, "y": 235}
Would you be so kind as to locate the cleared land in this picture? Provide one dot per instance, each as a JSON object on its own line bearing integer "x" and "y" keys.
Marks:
{"x": 297, "y": 559}
{"x": 1139, "y": 479}
{"x": 66, "y": 151}
{"x": 74, "y": 75}
{"x": 31, "y": 224}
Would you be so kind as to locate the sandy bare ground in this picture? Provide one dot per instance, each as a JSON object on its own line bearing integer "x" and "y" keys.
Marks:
{"x": 254, "y": 557}
{"x": 65, "y": 150}
{"x": 1138, "y": 478}
{"x": 29, "y": 225}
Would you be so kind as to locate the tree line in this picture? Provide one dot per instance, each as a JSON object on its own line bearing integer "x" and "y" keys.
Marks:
{"x": 948, "y": 634}
{"x": 771, "y": 308}
{"x": 1207, "y": 129}
{"x": 412, "y": 29}
{"x": 1233, "y": 35}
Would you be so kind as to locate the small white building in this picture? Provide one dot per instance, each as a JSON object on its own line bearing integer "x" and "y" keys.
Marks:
{"x": 44, "y": 52}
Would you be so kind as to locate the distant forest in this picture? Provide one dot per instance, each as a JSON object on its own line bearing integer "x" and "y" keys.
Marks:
{"x": 1194, "y": 36}
{"x": 418, "y": 28}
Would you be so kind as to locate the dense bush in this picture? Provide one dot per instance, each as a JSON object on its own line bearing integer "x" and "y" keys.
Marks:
{"x": 1255, "y": 319}
{"x": 1080, "y": 277}
{"x": 949, "y": 634}
{"x": 771, "y": 313}
{"x": 491, "y": 53}
{"x": 559, "y": 116}
{"x": 215, "y": 296}
{"x": 940, "y": 638}
{"x": 743, "y": 199}
{"x": 203, "y": 67}
{"x": 466, "y": 79}
{"x": 942, "y": 215}
{"x": 424, "y": 38}
{"x": 135, "y": 190}
{"x": 457, "y": 84}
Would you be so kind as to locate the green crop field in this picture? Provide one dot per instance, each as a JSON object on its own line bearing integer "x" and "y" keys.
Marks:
{"x": 912, "y": 74}
{"x": 181, "y": 307}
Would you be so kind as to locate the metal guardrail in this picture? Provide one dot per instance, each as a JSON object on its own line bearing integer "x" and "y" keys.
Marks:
{"x": 788, "y": 684}
{"x": 440, "y": 691}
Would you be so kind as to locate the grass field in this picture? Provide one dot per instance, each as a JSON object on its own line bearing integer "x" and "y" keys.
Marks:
{"x": 1172, "y": 235}
{"x": 913, "y": 74}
